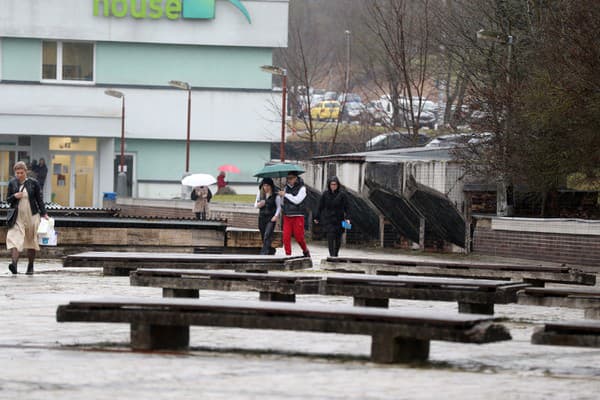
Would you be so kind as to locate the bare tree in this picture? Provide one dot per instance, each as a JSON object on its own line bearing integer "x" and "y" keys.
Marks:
{"x": 402, "y": 31}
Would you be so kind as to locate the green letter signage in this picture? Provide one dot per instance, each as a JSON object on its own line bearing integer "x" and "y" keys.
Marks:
{"x": 156, "y": 9}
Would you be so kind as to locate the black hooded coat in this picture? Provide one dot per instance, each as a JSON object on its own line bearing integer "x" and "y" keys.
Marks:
{"x": 333, "y": 209}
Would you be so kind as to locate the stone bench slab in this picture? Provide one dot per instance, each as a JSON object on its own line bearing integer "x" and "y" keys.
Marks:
{"x": 396, "y": 336}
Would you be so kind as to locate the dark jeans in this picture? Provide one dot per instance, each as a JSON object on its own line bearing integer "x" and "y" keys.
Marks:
{"x": 266, "y": 228}
{"x": 201, "y": 215}
{"x": 334, "y": 242}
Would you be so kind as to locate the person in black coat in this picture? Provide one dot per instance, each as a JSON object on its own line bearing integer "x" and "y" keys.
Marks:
{"x": 332, "y": 211}
{"x": 269, "y": 205}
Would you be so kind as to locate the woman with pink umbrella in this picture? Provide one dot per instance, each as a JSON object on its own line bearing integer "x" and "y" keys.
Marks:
{"x": 221, "y": 183}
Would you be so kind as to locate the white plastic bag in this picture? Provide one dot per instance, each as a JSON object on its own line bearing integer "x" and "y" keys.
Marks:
{"x": 49, "y": 240}
{"x": 46, "y": 227}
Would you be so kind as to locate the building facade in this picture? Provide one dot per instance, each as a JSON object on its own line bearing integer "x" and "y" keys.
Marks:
{"x": 58, "y": 57}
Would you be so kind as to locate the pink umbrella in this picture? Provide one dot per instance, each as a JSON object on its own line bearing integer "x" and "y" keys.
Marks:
{"x": 229, "y": 168}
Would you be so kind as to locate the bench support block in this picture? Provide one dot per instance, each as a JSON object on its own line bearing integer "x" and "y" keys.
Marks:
{"x": 592, "y": 313}
{"x": 272, "y": 296}
{"x": 475, "y": 308}
{"x": 388, "y": 349}
{"x": 159, "y": 337}
{"x": 364, "y": 302}
{"x": 181, "y": 293}
{"x": 115, "y": 271}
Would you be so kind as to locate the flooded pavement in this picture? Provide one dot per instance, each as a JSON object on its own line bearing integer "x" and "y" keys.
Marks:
{"x": 42, "y": 359}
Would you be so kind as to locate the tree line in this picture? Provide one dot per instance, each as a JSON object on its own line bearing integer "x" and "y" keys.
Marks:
{"x": 528, "y": 68}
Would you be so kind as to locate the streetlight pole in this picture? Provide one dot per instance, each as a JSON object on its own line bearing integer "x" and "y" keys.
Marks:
{"x": 283, "y": 73}
{"x": 188, "y": 87}
{"x": 122, "y": 176}
{"x": 347, "y": 61}
{"x": 503, "y": 208}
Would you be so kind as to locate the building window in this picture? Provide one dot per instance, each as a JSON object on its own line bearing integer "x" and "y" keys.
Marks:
{"x": 68, "y": 61}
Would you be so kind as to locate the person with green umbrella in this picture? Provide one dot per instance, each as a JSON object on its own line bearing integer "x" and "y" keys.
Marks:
{"x": 294, "y": 209}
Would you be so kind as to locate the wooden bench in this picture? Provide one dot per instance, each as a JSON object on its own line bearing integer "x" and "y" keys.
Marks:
{"x": 121, "y": 263}
{"x": 473, "y": 296}
{"x": 396, "y": 336}
{"x": 587, "y": 299}
{"x": 536, "y": 275}
{"x": 577, "y": 333}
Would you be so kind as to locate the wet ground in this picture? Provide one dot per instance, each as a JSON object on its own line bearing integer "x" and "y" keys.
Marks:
{"x": 42, "y": 359}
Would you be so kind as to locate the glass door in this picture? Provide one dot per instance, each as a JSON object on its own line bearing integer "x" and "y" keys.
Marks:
{"x": 7, "y": 160}
{"x": 83, "y": 182}
{"x": 61, "y": 179}
{"x": 73, "y": 180}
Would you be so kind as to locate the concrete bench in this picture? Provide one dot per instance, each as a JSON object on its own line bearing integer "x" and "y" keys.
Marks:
{"x": 577, "y": 333}
{"x": 536, "y": 275}
{"x": 274, "y": 286}
{"x": 584, "y": 298}
{"x": 396, "y": 336}
{"x": 121, "y": 263}
{"x": 473, "y": 296}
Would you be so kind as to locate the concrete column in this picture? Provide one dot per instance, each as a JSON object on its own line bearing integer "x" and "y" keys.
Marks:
{"x": 272, "y": 296}
{"x": 364, "y": 302}
{"x": 422, "y": 234}
{"x": 388, "y": 349}
{"x": 159, "y": 337}
{"x": 475, "y": 308}
{"x": 381, "y": 231}
{"x": 181, "y": 293}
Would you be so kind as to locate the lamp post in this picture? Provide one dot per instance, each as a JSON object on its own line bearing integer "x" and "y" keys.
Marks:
{"x": 283, "y": 73}
{"x": 188, "y": 87}
{"x": 122, "y": 176}
{"x": 503, "y": 208}
{"x": 347, "y": 33}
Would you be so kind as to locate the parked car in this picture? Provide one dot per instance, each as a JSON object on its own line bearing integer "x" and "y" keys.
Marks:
{"x": 396, "y": 140}
{"x": 426, "y": 118}
{"x": 353, "y": 112}
{"x": 326, "y": 110}
{"x": 375, "y": 112}
{"x": 460, "y": 139}
{"x": 330, "y": 96}
{"x": 349, "y": 98}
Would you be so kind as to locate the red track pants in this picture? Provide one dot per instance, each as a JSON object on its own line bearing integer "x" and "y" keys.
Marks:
{"x": 293, "y": 226}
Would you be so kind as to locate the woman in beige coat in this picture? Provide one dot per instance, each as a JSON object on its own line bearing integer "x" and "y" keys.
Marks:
{"x": 202, "y": 196}
{"x": 25, "y": 197}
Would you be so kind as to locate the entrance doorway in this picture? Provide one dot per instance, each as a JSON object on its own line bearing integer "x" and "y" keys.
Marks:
{"x": 73, "y": 179}
{"x": 8, "y": 158}
{"x": 128, "y": 164}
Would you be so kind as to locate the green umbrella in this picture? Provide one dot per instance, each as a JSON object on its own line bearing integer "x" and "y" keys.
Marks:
{"x": 280, "y": 170}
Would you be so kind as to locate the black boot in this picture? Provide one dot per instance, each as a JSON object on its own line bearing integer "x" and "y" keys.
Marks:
{"x": 29, "y": 269}
{"x": 12, "y": 267}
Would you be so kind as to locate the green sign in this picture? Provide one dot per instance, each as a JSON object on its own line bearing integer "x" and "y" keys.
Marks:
{"x": 157, "y": 9}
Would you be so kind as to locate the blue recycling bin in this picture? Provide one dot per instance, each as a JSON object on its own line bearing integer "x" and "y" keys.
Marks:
{"x": 110, "y": 196}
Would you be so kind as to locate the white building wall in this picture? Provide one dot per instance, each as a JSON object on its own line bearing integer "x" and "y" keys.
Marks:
{"x": 105, "y": 178}
{"x": 74, "y": 19}
{"x": 150, "y": 113}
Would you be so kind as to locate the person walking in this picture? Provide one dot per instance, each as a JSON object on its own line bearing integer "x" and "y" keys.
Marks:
{"x": 269, "y": 205}
{"x": 294, "y": 208}
{"x": 25, "y": 197}
{"x": 201, "y": 196}
{"x": 332, "y": 211}
{"x": 42, "y": 173}
{"x": 221, "y": 183}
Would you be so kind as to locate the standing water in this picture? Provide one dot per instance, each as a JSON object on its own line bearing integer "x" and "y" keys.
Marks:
{"x": 42, "y": 359}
